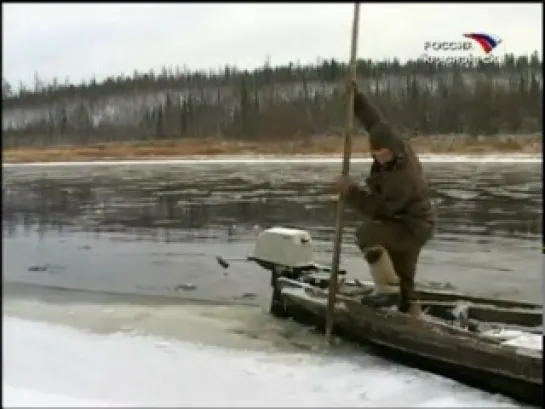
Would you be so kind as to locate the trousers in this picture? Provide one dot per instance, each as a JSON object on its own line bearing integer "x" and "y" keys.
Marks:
{"x": 403, "y": 246}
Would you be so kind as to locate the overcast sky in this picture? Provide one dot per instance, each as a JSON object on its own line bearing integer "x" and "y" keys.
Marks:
{"x": 81, "y": 40}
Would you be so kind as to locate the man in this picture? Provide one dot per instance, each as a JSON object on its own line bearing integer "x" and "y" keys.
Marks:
{"x": 396, "y": 201}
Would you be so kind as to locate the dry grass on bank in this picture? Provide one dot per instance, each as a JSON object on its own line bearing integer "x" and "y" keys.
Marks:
{"x": 331, "y": 145}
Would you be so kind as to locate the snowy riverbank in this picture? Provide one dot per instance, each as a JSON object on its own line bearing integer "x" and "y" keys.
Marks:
{"x": 52, "y": 365}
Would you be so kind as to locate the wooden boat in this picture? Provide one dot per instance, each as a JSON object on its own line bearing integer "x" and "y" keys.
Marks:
{"x": 482, "y": 342}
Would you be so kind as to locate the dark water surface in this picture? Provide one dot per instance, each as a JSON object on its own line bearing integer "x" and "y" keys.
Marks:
{"x": 156, "y": 229}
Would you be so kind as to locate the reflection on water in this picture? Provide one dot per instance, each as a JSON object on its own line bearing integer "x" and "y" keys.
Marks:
{"x": 163, "y": 224}
{"x": 472, "y": 199}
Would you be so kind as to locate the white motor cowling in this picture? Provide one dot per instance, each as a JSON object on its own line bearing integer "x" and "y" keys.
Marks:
{"x": 285, "y": 247}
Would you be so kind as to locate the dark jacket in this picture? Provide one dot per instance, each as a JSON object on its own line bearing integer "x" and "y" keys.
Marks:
{"x": 397, "y": 190}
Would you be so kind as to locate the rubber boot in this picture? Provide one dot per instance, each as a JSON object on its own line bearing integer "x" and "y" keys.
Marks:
{"x": 415, "y": 310}
{"x": 386, "y": 292}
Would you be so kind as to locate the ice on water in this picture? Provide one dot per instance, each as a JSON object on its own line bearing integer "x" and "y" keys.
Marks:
{"x": 52, "y": 365}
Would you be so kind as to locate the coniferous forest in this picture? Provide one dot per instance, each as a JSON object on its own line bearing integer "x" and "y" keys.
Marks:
{"x": 275, "y": 102}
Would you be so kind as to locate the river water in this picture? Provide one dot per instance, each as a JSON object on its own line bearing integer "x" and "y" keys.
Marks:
{"x": 136, "y": 235}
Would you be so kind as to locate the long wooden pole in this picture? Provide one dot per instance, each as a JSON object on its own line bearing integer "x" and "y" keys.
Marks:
{"x": 351, "y": 76}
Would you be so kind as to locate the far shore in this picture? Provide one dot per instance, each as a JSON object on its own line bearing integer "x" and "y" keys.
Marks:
{"x": 318, "y": 146}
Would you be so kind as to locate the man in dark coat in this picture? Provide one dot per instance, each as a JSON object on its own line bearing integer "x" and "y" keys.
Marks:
{"x": 396, "y": 202}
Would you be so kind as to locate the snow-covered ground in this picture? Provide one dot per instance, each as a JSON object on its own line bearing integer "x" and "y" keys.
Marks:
{"x": 256, "y": 159}
{"x": 47, "y": 364}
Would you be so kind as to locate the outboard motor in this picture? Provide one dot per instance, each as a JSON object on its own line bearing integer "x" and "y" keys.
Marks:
{"x": 286, "y": 253}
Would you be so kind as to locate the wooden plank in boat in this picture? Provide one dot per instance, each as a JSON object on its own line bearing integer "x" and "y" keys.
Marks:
{"x": 440, "y": 295}
{"x": 490, "y": 313}
{"x": 425, "y": 294}
{"x": 531, "y": 319}
{"x": 316, "y": 299}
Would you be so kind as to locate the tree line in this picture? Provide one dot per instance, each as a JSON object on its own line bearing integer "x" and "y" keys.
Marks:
{"x": 276, "y": 102}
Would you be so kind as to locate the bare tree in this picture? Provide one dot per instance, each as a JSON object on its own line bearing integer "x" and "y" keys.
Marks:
{"x": 284, "y": 102}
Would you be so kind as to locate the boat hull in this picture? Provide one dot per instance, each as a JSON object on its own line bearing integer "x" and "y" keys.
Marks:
{"x": 433, "y": 346}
